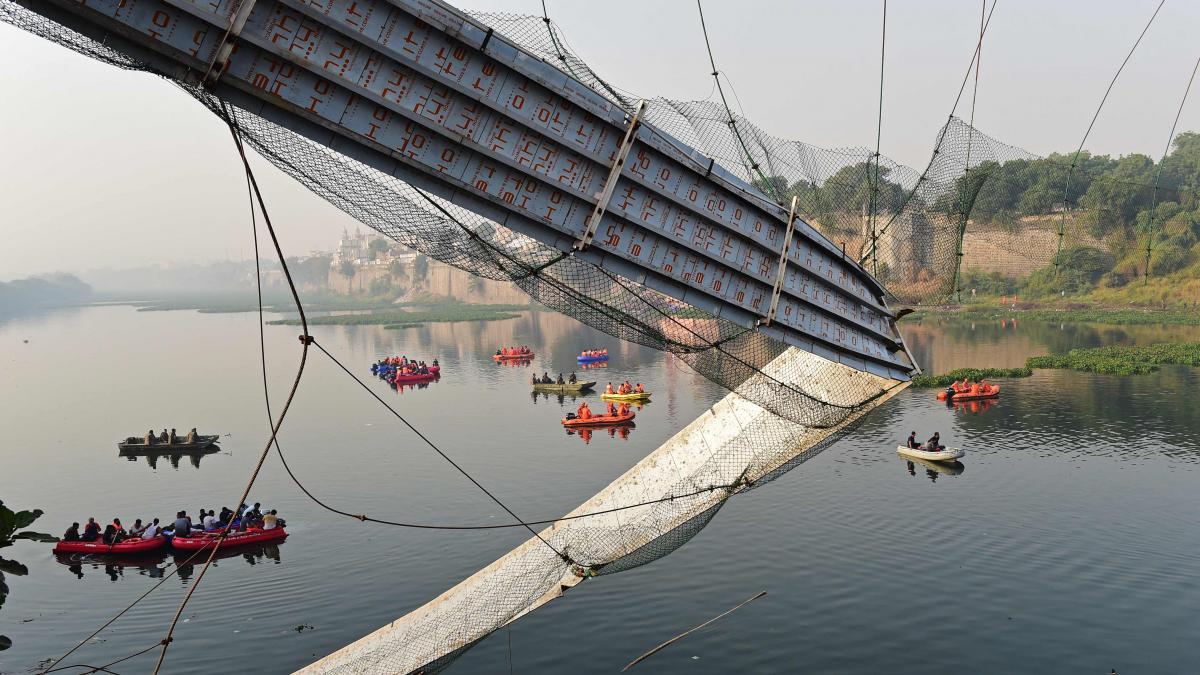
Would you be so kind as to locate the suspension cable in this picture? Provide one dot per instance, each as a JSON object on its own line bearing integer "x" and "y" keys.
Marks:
{"x": 1062, "y": 224}
{"x": 768, "y": 186}
{"x": 873, "y": 217}
{"x": 1158, "y": 172}
{"x": 305, "y": 340}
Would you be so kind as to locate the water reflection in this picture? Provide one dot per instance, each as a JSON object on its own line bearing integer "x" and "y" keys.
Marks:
{"x": 253, "y": 555}
{"x": 152, "y": 456}
{"x": 151, "y": 565}
{"x": 934, "y": 469}
{"x": 560, "y": 398}
{"x": 972, "y": 407}
{"x": 621, "y": 432}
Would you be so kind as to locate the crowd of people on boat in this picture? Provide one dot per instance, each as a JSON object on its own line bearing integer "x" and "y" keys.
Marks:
{"x": 169, "y": 438}
{"x": 594, "y": 353}
{"x": 545, "y": 379}
{"x": 246, "y": 517}
{"x": 515, "y": 352}
{"x": 402, "y": 365}
{"x": 934, "y": 444}
{"x": 583, "y": 412}
{"x": 625, "y": 388}
{"x": 968, "y": 387}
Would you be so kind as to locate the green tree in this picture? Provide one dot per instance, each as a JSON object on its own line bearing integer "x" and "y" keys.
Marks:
{"x": 12, "y": 524}
{"x": 378, "y": 245}
{"x": 347, "y": 269}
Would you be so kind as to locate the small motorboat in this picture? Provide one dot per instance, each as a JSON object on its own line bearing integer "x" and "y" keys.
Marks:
{"x": 991, "y": 391}
{"x": 136, "y": 443}
{"x": 253, "y": 535}
{"x": 571, "y": 421}
{"x": 567, "y": 388}
{"x": 127, "y": 547}
{"x": 631, "y": 396}
{"x": 947, "y": 455}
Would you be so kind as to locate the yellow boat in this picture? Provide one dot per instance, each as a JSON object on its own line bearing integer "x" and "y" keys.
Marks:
{"x": 635, "y": 396}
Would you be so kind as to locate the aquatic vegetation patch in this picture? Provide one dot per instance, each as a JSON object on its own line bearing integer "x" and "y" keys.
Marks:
{"x": 1122, "y": 360}
{"x": 972, "y": 374}
{"x": 417, "y": 317}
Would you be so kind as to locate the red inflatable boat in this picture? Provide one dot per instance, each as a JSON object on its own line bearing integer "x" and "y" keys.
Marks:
{"x": 598, "y": 420}
{"x": 126, "y": 547}
{"x": 250, "y": 536}
{"x": 991, "y": 391}
{"x": 414, "y": 379}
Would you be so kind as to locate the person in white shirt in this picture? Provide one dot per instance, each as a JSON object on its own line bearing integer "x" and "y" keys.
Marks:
{"x": 152, "y": 530}
{"x": 210, "y": 521}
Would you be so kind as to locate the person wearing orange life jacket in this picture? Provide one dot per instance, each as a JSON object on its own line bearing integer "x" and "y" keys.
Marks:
{"x": 640, "y": 388}
{"x": 975, "y": 389}
{"x": 612, "y": 410}
{"x": 585, "y": 413}
{"x": 608, "y": 389}
{"x": 623, "y": 410}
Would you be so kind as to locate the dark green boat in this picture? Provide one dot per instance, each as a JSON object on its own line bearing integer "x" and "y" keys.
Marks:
{"x": 552, "y": 388}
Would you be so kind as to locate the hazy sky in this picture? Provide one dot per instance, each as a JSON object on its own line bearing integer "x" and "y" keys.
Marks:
{"x": 105, "y": 168}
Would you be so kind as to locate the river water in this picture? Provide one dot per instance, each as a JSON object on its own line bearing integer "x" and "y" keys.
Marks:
{"x": 1067, "y": 542}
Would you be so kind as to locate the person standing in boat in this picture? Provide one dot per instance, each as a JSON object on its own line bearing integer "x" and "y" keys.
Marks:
{"x": 165, "y": 437}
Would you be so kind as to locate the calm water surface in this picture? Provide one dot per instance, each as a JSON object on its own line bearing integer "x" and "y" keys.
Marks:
{"x": 1066, "y": 544}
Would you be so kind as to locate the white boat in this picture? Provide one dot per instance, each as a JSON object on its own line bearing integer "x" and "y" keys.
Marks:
{"x": 947, "y": 455}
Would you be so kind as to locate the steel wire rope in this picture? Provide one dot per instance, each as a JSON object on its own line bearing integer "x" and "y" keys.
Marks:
{"x": 305, "y": 340}
{"x": 1075, "y": 159}
{"x": 874, "y": 216}
{"x": 104, "y": 668}
{"x": 956, "y": 285}
{"x": 941, "y": 134}
{"x": 1158, "y": 172}
{"x": 106, "y": 624}
{"x": 767, "y": 186}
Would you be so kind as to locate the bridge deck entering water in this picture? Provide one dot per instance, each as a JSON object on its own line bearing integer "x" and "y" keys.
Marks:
{"x": 421, "y": 92}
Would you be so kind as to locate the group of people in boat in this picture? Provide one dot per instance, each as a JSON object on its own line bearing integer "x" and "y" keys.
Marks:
{"x": 404, "y": 366}
{"x": 934, "y": 444}
{"x": 583, "y": 412}
{"x": 594, "y": 353}
{"x": 968, "y": 387}
{"x": 545, "y": 379}
{"x": 514, "y": 351}
{"x": 171, "y": 438}
{"x": 625, "y": 388}
{"x": 183, "y": 526}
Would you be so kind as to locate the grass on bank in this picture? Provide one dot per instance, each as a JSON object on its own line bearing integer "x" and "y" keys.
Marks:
{"x": 1116, "y": 316}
